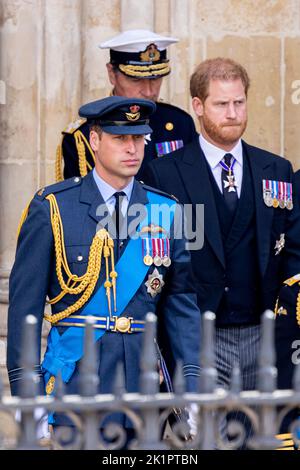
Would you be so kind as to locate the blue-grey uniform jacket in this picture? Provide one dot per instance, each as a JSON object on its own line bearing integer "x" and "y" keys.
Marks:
{"x": 33, "y": 278}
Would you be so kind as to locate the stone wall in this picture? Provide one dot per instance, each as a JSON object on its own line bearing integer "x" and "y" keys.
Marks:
{"x": 50, "y": 64}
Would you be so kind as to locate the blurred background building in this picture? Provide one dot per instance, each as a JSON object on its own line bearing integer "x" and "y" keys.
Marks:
{"x": 50, "y": 65}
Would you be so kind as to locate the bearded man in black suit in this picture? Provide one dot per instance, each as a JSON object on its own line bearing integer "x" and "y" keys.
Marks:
{"x": 251, "y": 223}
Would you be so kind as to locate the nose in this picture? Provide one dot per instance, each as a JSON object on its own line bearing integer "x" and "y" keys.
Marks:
{"x": 147, "y": 89}
{"x": 131, "y": 145}
{"x": 231, "y": 111}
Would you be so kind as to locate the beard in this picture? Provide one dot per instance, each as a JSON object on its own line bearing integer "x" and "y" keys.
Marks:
{"x": 223, "y": 134}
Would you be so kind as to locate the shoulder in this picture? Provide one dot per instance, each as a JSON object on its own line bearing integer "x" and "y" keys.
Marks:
{"x": 65, "y": 186}
{"x": 297, "y": 177}
{"x": 158, "y": 192}
{"x": 268, "y": 156}
{"x": 74, "y": 126}
{"x": 170, "y": 109}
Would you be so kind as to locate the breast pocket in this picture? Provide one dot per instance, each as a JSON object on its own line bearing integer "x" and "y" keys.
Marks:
{"x": 77, "y": 257}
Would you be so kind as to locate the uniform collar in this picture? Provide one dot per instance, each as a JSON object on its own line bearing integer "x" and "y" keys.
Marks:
{"x": 215, "y": 154}
{"x": 108, "y": 191}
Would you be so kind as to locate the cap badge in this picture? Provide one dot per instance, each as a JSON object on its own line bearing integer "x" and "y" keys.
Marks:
{"x": 150, "y": 54}
{"x": 134, "y": 114}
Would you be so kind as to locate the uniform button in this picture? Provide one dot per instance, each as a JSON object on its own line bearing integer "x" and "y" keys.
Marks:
{"x": 226, "y": 289}
{"x": 121, "y": 243}
{"x": 76, "y": 180}
{"x": 79, "y": 258}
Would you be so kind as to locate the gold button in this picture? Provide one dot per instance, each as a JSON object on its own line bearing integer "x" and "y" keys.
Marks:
{"x": 169, "y": 126}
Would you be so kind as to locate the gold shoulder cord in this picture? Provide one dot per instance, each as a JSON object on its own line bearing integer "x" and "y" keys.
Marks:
{"x": 58, "y": 162}
{"x": 298, "y": 308}
{"x": 86, "y": 283}
{"x": 84, "y": 165}
{"x": 23, "y": 218}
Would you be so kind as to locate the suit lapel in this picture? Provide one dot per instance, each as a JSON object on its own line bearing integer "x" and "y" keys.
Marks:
{"x": 261, "y": 169}
{"x": 194, "y": 172}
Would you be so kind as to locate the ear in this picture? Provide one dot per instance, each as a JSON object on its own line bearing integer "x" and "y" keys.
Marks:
{"x": 197, "y": 106}
{"x": 94, "y": 140}
{"x": 111, "y": 74}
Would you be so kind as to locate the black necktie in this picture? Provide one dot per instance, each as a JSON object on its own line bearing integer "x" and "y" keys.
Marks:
{"x": 118, "y": 218}
{"x": 231, "y": 197}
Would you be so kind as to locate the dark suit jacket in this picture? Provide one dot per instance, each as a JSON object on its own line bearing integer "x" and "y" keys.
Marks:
{"x": 185, "y": 175}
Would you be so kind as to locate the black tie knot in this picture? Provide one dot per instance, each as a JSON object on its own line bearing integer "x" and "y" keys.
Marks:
{"x": 119, "y": 195}
{"x": 228, "y": 159}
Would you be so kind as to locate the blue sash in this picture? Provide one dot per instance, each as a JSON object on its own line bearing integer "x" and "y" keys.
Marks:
{"x": 63, "y": 351}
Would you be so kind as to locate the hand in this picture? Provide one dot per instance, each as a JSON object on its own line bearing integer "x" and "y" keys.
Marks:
{"x": 41, "y": 418}
{"x": 193, "y": 410}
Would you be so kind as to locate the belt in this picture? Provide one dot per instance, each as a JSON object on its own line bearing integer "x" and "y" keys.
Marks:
{"x": 115, "y": 324}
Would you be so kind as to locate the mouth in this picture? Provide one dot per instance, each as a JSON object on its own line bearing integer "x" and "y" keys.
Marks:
{"x": 131, "y": 162}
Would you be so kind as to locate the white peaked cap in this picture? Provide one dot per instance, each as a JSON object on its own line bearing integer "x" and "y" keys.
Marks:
{"x": 137, "y": 40}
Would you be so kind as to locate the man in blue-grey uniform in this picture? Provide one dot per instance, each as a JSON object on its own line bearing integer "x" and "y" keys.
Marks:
{"x": 73, "y": 247}
{"x": 138, "y": 63}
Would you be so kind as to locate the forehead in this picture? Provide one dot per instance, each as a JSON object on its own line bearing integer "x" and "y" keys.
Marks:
{"x": 226, "y": 88}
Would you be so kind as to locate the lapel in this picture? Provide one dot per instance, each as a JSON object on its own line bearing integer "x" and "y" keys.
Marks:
{"x": 261, "y": 168}
{"x": 194, "y": 172}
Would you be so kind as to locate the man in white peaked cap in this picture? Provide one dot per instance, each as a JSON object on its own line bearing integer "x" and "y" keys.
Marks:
{"x": 138, "y": 63}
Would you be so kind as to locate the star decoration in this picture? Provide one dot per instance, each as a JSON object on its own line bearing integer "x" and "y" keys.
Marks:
{"x": 279, "y": 245}
{"x": 154, "y": 283}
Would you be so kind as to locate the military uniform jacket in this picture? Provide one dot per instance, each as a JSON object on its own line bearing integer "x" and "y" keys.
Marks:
{"x": 186, "y": 176}
{"x": 33, "y": 278}
{"x": 172, "y": 128}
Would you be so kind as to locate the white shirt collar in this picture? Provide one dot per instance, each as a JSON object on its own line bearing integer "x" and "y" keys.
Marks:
{"x": 215, "y": 154}
{"x": 108, "y": 191}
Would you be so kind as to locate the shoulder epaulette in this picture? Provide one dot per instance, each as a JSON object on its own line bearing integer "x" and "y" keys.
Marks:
{"x": 73, "y": 126}
{"x": 158, "y": 191}
{"x": 58, "y": 187}
{"x": 292, "y": 280}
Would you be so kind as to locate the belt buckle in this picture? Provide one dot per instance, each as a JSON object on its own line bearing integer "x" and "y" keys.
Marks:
{"x": 123, "y": 324}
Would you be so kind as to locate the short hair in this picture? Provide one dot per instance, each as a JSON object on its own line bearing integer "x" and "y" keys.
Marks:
{"x": 219, "y": 68}
{"x": 94, "y": 126}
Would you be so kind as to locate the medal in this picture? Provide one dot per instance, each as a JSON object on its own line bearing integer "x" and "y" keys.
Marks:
{"x": 275, "y": 193}
{"x": 147, "y": 258}
{"x": 267, "y": 195}
{"x": 289, "y": 202}
{"x": 281, "y": 195}
{"x": 154, "y": 283}
{"x": 156, "y": 259}
{"x": 166, "y": 260}
{"x": 230, "y": 184}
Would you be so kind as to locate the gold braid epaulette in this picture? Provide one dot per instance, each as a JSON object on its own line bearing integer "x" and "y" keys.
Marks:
{"x": 86, "y": 283}
{"x": 84, "y": 165}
